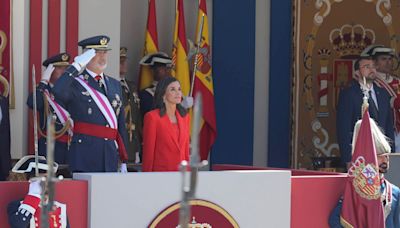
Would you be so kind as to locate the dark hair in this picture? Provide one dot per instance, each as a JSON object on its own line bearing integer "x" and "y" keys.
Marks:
{"x": 357, "y": 63}
{"x": 159, "y": 94}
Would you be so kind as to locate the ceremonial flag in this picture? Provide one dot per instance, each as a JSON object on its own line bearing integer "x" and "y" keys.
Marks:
{"x": 203, "y": 82}
{"x": 362, "y": 206}
{"x": 150, "y": 45}
{"x": 180, "y": 64}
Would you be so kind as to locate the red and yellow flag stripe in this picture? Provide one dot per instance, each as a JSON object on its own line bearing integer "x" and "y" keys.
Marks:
{"x": 180, "y": 64}
{"x": 150, "y": 45}
{"x": 203, "y": 83}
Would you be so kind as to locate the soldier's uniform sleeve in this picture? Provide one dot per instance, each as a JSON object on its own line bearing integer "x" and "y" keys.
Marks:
{"x": 39, "y": 97}
{"x": 334, "y": 218}
{"x": 62, "y": 87}
{"x": 396, "y": 211}
{"x": 20, "y": 214}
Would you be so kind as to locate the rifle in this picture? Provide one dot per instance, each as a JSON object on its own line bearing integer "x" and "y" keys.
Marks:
{"x": 48, "y": 182}
{"x": 188, "y": 191}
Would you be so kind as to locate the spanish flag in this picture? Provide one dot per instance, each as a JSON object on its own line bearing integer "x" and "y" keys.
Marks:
{"x": 150, "y": 45}
{"x": 203, "y": 82}
{"x": 180, "y": 64}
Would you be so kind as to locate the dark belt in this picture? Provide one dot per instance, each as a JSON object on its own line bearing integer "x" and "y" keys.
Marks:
{"x": 103, "y": 132}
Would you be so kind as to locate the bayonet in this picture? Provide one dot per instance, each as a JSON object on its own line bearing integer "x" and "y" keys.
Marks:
{"x": 189, "y": 187}
{"x": 48, "y": 183}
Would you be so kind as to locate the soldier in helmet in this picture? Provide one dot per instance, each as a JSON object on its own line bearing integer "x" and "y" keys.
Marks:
{"x": 133, "y": 117}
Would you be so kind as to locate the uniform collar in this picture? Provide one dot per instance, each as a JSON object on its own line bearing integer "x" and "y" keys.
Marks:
{"x": 93, "y": 74}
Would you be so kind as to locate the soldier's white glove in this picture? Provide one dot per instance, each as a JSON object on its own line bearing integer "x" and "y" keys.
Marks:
{"x": 81, "y": 60}
{"x": 47, "y": 73}
{"x": 35, "y": 188}
{"x": 123, "y": 168}
{"x": 187, "y": 102}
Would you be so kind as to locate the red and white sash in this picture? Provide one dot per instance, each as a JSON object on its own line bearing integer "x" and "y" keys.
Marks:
{"x": 102, "y": 103}
{"x": 384, "y": 84}
{"x": 62, "y": 114}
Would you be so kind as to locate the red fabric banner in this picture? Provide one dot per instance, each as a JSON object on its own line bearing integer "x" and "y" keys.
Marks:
{"x": 362, "y": 206}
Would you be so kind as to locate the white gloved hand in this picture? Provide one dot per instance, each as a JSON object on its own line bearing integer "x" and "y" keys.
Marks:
{"x": 123, "y": 168}
{"x": 35, "y": 188}
{"x": 83, "y": 59}
{"x": 187, "y": 102}
{"x": 47, "y": 73}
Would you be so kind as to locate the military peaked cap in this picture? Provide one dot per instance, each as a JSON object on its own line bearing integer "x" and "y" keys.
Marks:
{"x": 95, "y": 42}
{"x": 61, "y": 59}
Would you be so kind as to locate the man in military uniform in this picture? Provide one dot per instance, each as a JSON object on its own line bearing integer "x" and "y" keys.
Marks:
{"x": 26, "y": 212}
{"x": 383, "y": 58}
{"x": 160, "y": 65}
{"x": 133, "y": 116}
{"x": 48, "y": 106}
{"x": 94, "y": 101}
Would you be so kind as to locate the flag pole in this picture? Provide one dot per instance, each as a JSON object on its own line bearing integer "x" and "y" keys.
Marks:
{"x": 196, "y": 60}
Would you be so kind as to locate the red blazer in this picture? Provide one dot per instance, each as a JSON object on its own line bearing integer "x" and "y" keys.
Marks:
{"x": 163, "y": 150}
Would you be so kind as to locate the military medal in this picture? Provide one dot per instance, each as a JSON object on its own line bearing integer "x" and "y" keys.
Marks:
{"x": 116, "y": 104}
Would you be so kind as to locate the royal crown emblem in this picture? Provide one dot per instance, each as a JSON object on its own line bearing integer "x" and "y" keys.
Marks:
{"x": 366, "y": 180}
{"x": 350, "y": 40}
{"x": 195, "y": 224}
{"x": 64, "y": 57}
{"x": 103, "y": 41}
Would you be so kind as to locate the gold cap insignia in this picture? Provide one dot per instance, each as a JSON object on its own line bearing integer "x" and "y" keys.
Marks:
{"x": 64, "y": 57}
{"x": 123, "y": 52}
{"x": 103, "y": 41}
